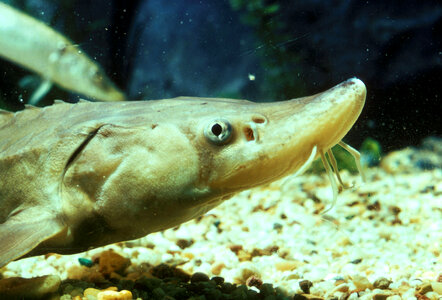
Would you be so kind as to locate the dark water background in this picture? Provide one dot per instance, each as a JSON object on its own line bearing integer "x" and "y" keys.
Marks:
{"x": 158, "y": 49}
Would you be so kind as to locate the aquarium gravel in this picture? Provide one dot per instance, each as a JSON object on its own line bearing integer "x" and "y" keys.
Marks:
{"x": 382, "y": 240}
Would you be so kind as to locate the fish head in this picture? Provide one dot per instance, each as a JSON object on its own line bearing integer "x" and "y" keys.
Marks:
{"x": 267, "y": 141}
{"x": 149, "y": 172}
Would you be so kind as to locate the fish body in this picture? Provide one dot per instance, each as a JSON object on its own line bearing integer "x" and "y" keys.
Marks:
{"x": 37, "y": 47}
{"x": 78, "y": 176}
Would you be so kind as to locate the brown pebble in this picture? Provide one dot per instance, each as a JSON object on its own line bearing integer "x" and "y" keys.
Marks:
{"x": 376, "y": 206}
{"x": 395, "y": 210}
{"x": 182, "y": 243}
{"x": 134, "y": 272}
{"x": 264, "y": 252}
{"x": 424, "y": 288}
{"x": 305, "y": 286}
{"x": 343, "y": 288}
{"x": 396, "y": 221}
{"x": 199, "y": 277}
{"x": 254, "y": 281}
{"x": 235, "y": 248}
{"x": 188, "y": 255}
{"x": 380, "y": 296}
{"x": 216, "y": 269}
{"x": 287, "y": 265}
{"x": 244, "y": 275}
{"x": 382, "y": 283}
{"x": 340, "y": 281}
{"x": 86, "y": 274}
{"x": 110, "y": 262}
{"x": 47, "y": 255}
{"x": 244, "y": 256}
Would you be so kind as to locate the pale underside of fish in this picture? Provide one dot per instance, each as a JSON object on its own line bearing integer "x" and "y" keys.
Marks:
{"x": 79, "y": 176}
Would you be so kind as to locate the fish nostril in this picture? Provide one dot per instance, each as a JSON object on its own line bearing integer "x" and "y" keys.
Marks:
{"x": 248, "y": 132}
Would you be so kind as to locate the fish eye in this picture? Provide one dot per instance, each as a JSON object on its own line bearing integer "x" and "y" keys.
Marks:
{"x": 218, "y": 131}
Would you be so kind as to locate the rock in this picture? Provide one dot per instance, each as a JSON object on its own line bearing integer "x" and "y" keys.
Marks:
{"x": 199, "y": 277}
{"x": 216, "y": 269}
{"x": 164, "y": 271}
{"x": 254, "y": 281}
{"x": 113, "y": 295}
{"x": 361, "y": 282}
{"x": 110, "y": 262}
{"x": 87, "y": 274}
{"x": 424, "y": 288}
{"x": 218, "y": 280}
{"x": 305, "y": 286}
{"x": 183, "y": 243}
{"x": 343, "y": 288}
{"x": 35, "y": 288}
{"x": 288, "y": 265}
{"x": 382, "y": 283}
{"x": 381, "y": 296}
{"x": 410, "y": 160}
{"x": 91, "y": 292}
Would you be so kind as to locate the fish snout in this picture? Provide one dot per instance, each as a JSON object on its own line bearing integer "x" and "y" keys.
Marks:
{"x": 342, "y": 106}
{"x": 284, "y": 138}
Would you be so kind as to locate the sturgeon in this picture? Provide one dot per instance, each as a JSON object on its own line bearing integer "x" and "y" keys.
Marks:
{"x": 34, "y": 45}
{"x": 84, "y": 175}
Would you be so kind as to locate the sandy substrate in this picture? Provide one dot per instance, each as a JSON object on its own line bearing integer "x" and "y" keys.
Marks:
{"x": 383, "y": 237}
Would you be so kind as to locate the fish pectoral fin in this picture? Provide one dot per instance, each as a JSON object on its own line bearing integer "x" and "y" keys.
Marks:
{"x": 23, "y": 232}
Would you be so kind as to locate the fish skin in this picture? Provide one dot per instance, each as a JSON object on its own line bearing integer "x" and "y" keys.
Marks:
{"x": 79, "y": 176}
{"x": 32, "y": 44}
